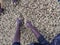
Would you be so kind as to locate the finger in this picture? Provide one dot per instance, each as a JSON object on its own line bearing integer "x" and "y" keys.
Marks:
{"x": 29, "y": 24}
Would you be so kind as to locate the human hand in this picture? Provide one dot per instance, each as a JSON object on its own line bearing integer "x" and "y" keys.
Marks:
{"x": 19, "y": 22}
{"x": 29, "y": 24}
{"x": 15, "y": 2}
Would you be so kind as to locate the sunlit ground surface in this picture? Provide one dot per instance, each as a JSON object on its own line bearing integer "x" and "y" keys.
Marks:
{"x": 44, "y": 14}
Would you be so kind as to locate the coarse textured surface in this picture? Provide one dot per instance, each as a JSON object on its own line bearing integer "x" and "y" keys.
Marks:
{"x": 44, "y": 14}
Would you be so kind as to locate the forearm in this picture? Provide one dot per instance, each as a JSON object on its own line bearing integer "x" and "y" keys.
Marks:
{"x": 39, "y": 36}
{"x": 17, "y": 35}
{"x": 35, "y": 31}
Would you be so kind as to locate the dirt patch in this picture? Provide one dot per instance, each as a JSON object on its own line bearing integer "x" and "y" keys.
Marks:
{"x": 44, "y": 14}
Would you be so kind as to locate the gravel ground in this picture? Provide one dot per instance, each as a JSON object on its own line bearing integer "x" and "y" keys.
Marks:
{"x": 44, "y": 14}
